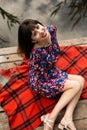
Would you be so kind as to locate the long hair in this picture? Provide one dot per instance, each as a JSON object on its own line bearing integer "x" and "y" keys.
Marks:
{"x": 25, "y": 44}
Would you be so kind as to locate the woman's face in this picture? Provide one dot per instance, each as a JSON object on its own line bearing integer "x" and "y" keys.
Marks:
{"x": 40, "y": 34}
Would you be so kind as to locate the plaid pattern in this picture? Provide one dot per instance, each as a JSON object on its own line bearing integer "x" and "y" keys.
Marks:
{"x": 25, "y": 108}
{"x": 73, "y": 60}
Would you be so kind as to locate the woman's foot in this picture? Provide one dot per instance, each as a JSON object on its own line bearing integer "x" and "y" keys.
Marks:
{"x": 67, "y": 124}
{"x": 48, "y": 123}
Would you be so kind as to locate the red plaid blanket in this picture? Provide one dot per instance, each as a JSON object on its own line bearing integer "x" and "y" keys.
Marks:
{"x": 25, "y": 108}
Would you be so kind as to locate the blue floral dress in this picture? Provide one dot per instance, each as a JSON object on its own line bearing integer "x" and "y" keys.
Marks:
{"x": 44, "y": 77}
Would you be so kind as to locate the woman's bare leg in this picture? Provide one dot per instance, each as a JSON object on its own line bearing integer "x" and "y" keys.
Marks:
{"x": 71, "y": 106}
{"x": 70, "y": 90}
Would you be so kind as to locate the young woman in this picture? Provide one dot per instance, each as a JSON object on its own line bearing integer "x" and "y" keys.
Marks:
{"x": 40, "y": 46}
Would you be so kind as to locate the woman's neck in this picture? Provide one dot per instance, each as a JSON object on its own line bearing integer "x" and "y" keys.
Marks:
{"x": 42, "y": 44}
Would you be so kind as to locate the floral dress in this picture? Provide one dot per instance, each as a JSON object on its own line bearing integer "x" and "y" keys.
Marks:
{"x": 44, "y": 77}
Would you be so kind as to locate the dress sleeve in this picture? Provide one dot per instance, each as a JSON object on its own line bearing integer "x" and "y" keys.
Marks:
{"x": 52, "y": 30}
{"x": 54, "y": 48}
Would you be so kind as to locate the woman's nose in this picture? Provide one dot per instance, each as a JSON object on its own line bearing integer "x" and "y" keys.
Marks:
{"x": 42, "y": 30}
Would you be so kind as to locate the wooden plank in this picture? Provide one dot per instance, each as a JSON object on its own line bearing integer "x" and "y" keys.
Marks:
{"x": 79, "y": 41}
{"x": 4, "y": 122}
{"x": 8, "y": 50}
{"x": 9, "y": 65}
{"x": 9, "y": 58}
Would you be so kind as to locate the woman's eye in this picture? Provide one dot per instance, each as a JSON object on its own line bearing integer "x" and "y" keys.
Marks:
{"x": 37, "y": 26}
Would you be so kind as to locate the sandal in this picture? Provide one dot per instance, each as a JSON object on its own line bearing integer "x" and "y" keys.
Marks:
{"x": 47, "y": 122}
{"x": 65, "y": 125}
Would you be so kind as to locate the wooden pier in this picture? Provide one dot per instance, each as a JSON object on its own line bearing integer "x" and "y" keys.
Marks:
{"x": 8, "y": 58}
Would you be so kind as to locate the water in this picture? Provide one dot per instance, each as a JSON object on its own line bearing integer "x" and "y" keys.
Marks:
{"x": 41, "y": 11}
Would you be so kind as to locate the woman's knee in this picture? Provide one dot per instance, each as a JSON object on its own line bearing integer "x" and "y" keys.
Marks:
{"x": 76, "y": 85}
{"x": 72, "y": 84}
{"x": 81, "y": 80}
{"x": 78, "y": 78}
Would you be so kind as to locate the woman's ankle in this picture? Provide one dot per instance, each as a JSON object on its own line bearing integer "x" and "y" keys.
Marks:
{"x": 52, "y": 117}
{"x": 68, "y": 122}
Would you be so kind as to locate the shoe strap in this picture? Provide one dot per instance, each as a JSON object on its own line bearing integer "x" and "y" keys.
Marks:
{"x": 66, "y": 123}
{"x": 48, "y": 121}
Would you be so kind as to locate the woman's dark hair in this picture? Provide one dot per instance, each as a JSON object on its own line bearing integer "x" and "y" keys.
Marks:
{"x": 25, "y": 44}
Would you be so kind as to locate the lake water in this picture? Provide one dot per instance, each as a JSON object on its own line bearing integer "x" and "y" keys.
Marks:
{"x": 40, "y": 10}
